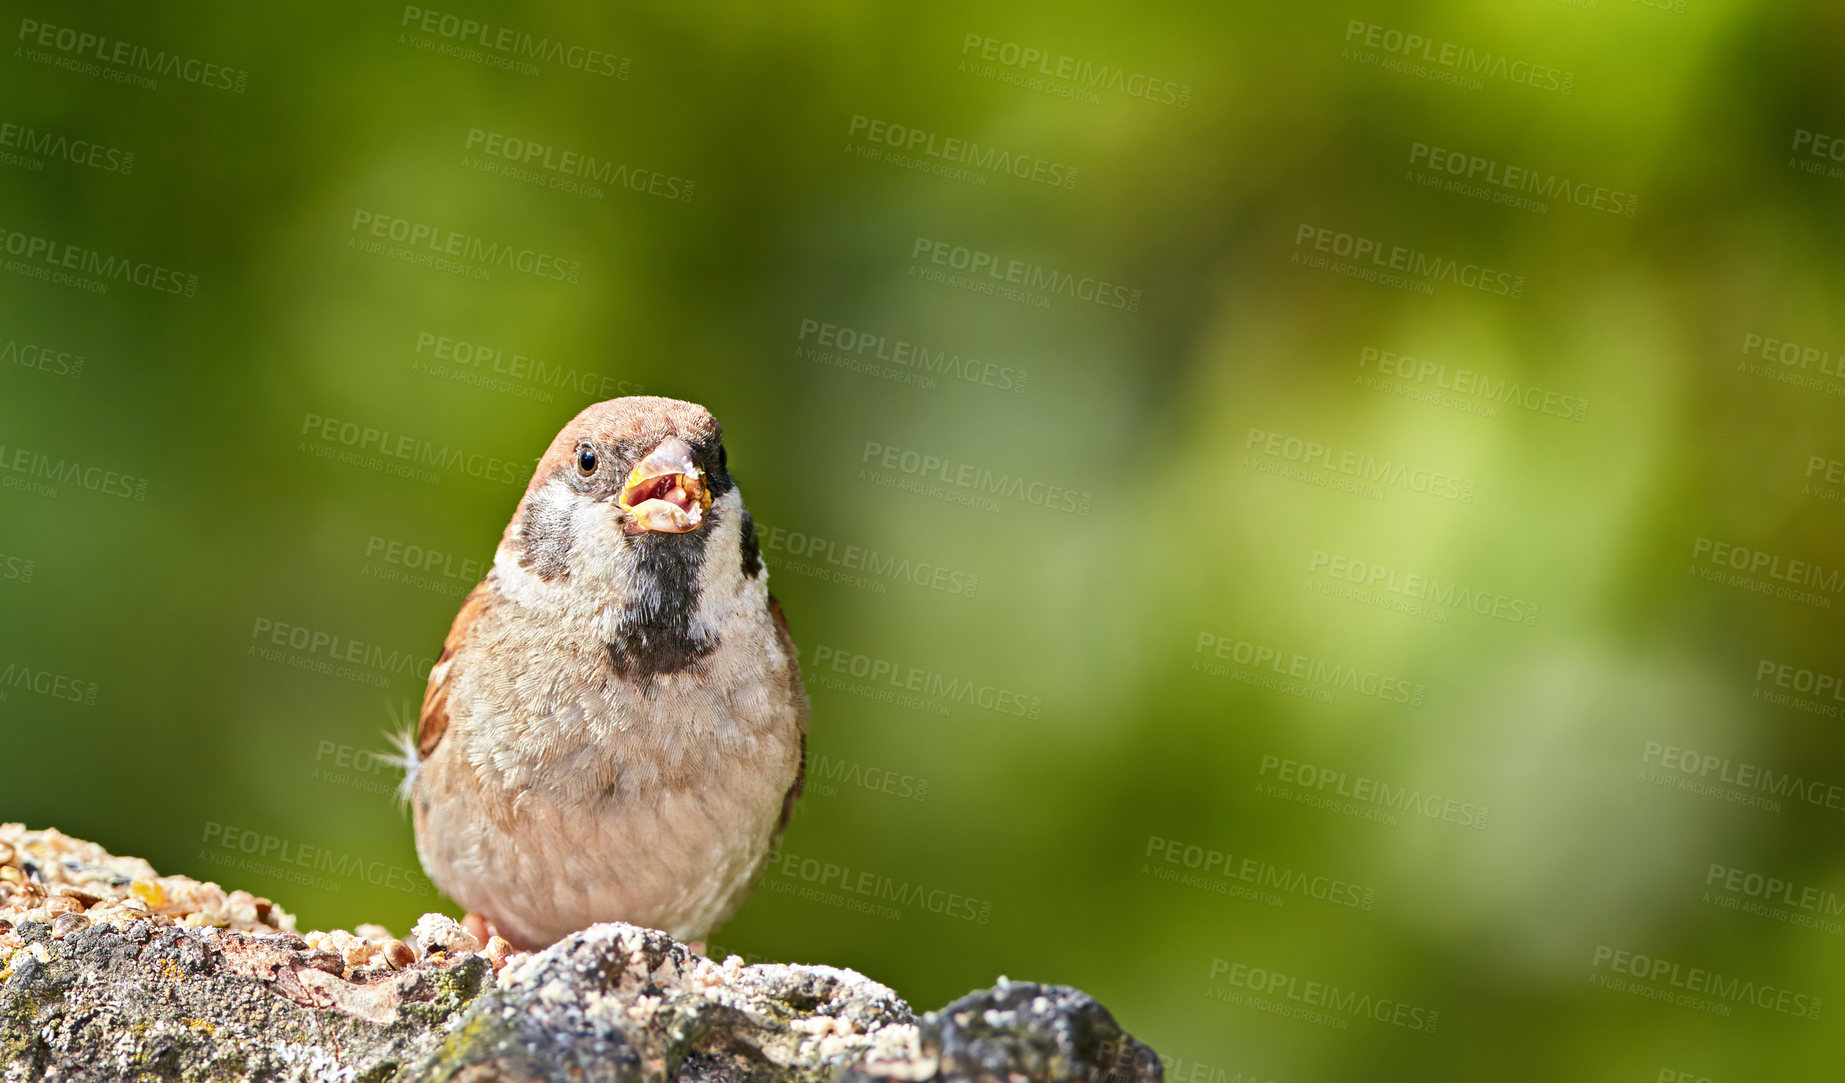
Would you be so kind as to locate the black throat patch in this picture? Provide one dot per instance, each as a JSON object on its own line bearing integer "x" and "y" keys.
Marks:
{"x": 654, "y": 633}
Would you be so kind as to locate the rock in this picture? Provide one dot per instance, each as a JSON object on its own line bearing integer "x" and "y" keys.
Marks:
{"x": 1023, "y": 1030}
{"x": 137, "y": 976}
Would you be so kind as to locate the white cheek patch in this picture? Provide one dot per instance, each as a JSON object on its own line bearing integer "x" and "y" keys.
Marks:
{"x": 727, "y": 591}
{"x": 548, "y": 537}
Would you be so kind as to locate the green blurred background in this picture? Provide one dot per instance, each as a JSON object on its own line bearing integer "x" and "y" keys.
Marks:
{"x": 748, "y": 205}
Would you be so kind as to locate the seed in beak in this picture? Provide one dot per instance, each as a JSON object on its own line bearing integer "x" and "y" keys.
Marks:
{"x": 666, "y": 491}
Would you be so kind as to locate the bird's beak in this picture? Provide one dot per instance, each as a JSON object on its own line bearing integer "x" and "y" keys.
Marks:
{"x": 666, "y": 492}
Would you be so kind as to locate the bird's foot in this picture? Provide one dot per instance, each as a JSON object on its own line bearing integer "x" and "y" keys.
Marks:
{"x": 479, "y": 927}
{"x": 496, "y": 947}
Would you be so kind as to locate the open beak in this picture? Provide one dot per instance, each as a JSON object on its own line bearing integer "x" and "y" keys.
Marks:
{"x": 666, "y": 492}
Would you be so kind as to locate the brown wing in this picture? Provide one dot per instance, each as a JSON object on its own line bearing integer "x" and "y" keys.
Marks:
{"x": 800, "y": 698}
{"x": 433, "y": 722}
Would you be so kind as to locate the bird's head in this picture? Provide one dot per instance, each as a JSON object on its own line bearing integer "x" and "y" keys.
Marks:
{"x": 629, "y": 485}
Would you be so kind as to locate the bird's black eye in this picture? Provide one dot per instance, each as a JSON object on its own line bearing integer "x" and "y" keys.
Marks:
{"x": 586, "y": 460}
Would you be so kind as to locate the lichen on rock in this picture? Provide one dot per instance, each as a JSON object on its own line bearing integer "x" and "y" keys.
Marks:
{"x": 109, "y": 971}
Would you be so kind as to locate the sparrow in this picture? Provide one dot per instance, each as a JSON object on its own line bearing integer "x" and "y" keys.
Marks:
{"x": 615, "y": 727}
